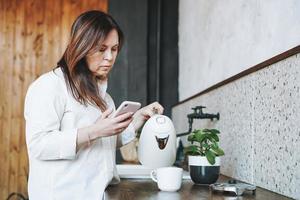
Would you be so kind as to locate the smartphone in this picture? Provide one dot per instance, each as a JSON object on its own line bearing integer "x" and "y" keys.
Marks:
{"x": 127, "y": 106}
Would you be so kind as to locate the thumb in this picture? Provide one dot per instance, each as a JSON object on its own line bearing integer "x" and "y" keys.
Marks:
{"x": 106, "y": 113}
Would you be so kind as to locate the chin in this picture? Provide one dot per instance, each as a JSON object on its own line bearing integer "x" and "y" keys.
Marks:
{"x": 102, "y": 76}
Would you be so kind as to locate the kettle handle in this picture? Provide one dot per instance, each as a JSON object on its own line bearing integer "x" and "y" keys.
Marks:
{"x": 153, "y": 175}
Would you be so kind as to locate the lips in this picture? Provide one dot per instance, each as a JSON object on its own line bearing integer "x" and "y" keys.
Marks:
{"x": 106, "y": 67}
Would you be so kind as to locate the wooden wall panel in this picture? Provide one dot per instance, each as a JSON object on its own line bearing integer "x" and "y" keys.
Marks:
{"x": 33, "y": 37}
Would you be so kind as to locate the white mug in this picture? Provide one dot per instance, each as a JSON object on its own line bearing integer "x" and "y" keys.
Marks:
{"x": 168, "y": 178}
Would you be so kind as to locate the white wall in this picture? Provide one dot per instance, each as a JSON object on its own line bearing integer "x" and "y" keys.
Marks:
{"x": 218, "y": 39}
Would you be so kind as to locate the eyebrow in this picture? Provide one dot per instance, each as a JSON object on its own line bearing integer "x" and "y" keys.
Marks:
{"x": 103, "y": 45}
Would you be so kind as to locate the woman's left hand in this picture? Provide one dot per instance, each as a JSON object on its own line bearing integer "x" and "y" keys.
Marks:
{"x": 145, "y": 113}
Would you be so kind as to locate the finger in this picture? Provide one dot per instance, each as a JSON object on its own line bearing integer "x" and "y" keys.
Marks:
{"x": 123, "y": 117}
{"x": 118, "y": 131}
{"x": 160, "y": 109}
{"x": 157, "y": 108}
{"x": 148, "y": 113}
{"x": 106, "y": 113}
{"x": 154, "y": 103}
{"x": 124, "y": 124}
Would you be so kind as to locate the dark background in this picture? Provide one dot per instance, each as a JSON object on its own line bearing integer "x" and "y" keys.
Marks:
{"x": 146, "y": 69}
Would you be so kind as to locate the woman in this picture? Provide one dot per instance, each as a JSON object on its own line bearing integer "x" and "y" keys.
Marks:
{"x": 70, "y": 136}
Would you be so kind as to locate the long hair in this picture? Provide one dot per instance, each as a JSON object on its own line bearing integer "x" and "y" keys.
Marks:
{"x": 88, "y": 31}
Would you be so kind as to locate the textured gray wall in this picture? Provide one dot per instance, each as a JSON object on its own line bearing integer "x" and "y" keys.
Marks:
{"x": 218, "y": 39}
{"x": 259, "y": 124}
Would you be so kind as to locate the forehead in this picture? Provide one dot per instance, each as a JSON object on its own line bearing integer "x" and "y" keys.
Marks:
{"x": 112, "y": 38}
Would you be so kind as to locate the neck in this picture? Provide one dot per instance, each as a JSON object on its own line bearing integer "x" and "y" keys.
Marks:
{"x": 101, "y": 80}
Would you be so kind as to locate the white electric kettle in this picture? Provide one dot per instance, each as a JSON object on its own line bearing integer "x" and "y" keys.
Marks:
{"x": 157, "y": 143}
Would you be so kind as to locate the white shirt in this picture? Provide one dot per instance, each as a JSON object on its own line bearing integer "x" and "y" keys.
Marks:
{"x": 56, "y": 171}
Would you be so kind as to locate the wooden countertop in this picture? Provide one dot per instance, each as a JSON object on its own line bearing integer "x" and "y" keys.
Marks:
{"x": 140, "y": 189}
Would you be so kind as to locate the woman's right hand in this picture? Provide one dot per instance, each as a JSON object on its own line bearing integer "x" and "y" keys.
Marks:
{"x": 108, "y": 126}
{"x": 103, "y": 127}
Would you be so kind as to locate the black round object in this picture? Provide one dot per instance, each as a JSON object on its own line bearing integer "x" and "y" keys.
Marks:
{"x": 204, "y": 174}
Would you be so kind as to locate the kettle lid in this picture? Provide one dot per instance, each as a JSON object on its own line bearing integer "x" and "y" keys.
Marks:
{"x": 159, "y": 124}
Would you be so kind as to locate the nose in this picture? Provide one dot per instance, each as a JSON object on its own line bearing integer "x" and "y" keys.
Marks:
{"x": 108, "y": 55}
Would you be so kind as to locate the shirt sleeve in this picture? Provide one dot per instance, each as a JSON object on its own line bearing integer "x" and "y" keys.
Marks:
{"x": 126, "y": 136}
{"x": 43, "y": 111}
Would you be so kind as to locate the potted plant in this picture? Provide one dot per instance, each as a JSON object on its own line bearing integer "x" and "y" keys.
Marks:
{"x": 204, "y": 156}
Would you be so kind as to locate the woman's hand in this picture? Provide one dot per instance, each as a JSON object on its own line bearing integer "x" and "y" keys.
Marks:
{"x": 103, "y": 127}
{"x": 145, "y": 113}
{"x": 106, "y": 126}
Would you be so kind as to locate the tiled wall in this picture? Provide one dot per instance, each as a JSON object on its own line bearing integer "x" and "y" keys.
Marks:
{"x": 259, "y": 124}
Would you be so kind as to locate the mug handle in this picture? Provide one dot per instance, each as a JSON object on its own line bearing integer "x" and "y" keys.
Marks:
{"x": 153, "y": 175}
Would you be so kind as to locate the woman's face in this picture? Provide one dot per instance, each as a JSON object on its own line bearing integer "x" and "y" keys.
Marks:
{"x": 100, "y": 62}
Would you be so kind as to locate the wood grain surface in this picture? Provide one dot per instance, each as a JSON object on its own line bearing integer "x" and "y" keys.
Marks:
{"x": 33, "y": 36}
{"x": 146, "y": 189}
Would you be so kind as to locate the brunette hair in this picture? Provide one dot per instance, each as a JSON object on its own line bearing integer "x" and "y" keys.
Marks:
{"x": 88, "y": 31}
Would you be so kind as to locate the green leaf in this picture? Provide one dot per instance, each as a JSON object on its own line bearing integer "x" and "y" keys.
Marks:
{"x": 204, "y": 142}
{"x": 218, "y": 151}
{"x": 191, "y": 150}
{"x": 215, "y": 145}
{"x": 211, "y": 157}
{"x": 206, "y": 146}
{"x": 213, "y": 131}
{"x": 191, "y": 137}
{"x": 198, "y": 131}
{"x": 207, "y": 137}
{"x": 199, "y": 137}
{"x": 215, "y": 137}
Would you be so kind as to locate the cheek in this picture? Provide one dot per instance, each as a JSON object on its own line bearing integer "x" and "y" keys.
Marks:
{"x": 115, "y": 56}
{"x": 93, "y": 68}
{"x": 93, "y": 63}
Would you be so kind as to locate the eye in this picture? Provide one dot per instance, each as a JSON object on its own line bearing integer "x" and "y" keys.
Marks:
{"x": 115, "y": 48}
{"x": 102, "y": 49}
